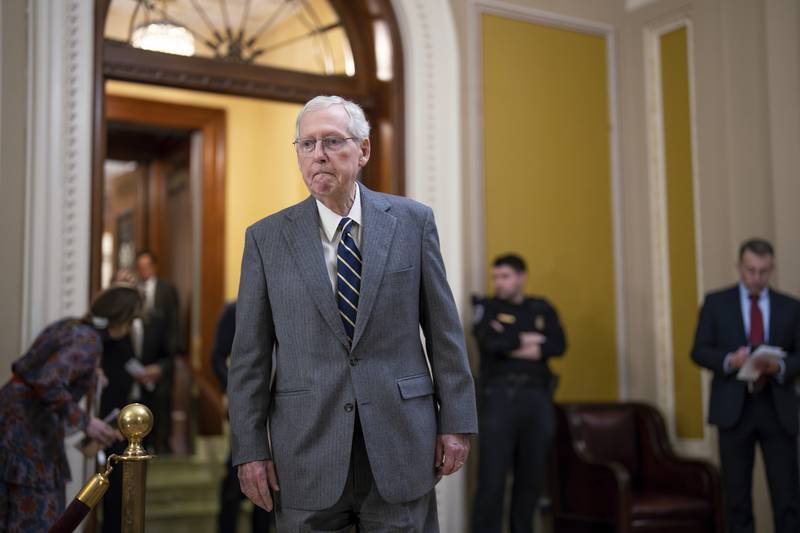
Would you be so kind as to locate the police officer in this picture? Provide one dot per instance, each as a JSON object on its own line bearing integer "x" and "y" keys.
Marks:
{"x": 516, "y": 336}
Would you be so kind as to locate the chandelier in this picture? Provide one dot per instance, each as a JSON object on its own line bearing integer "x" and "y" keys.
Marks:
{"x": 224, "y": 28}
{"x": 163, "y": 36}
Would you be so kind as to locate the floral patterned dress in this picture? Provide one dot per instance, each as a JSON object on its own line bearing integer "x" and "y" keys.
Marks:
{"x": 38, "y": 407}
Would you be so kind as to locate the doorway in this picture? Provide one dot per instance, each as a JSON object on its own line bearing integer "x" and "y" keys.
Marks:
{"x": 164, "y": 178}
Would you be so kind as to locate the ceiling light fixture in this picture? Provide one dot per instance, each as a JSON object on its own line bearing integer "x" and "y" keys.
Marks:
{"x": 163, "y": 36}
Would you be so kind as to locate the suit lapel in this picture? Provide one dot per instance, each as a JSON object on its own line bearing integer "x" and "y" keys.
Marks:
{"x": 774, "y": 314}
{"x": 158, "y": 294}
{"x": 736, "y": 305}
{"x": 303, "y": 240}
{"x": 376, "y": 239}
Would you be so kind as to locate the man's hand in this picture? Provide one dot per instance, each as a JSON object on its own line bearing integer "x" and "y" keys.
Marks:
{"x": 452, "y": 451}
{"x": 530, "y": 346}
{"x": 150, "y": 375}
{"x": 257, "y": 481}
{"x": 739, "y": 357}
{"x": 767, "y": 366}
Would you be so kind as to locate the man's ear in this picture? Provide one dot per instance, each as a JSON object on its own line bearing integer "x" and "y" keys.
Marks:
{"x": 365, "y": 151}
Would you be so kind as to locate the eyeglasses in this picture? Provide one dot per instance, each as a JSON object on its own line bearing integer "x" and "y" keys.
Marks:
{"x": 329, "y": 144}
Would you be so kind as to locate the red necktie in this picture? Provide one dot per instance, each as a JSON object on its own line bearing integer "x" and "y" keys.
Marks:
{"x": 757, "y": 336}
{"x": 756, "y": 322}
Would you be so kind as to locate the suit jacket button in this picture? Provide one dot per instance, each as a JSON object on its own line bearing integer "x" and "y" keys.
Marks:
{"x": 348, "y": 407}
{"x": 353, "y": 361}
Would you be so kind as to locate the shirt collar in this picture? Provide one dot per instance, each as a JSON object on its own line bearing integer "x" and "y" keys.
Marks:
{"x": 330, "y": 220}
{"x": 762, "y": 296}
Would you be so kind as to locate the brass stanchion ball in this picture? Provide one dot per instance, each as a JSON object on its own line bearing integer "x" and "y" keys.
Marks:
{"x": 135, "y": 422}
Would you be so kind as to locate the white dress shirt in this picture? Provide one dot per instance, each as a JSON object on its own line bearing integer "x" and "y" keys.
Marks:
{"x": 330, "y": 236}
{"x": 149, "y": 289}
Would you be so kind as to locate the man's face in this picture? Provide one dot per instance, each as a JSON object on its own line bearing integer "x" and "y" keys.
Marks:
{"x": 755, "y": 271}
{"x": 508, "y": 283}
{"x": 145, "y": 267}
{"x": 327, "y": 173}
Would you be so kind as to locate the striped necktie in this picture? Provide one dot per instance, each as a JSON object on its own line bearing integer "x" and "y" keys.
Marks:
{"x": 348, "y": 277}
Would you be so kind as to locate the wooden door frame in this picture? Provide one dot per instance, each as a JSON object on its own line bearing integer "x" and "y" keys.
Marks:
{"x": 211, "y": 123}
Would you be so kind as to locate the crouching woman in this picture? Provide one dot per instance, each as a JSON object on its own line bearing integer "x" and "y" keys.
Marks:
{"x": 39, "y": 407}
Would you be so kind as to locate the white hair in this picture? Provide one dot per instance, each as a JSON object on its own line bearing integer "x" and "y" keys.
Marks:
{"x": 358, "y": 125}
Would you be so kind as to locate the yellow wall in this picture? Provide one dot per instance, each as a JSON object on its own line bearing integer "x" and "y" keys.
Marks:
{"x": 261, "y": 167}
{"x": 548, "y": 184}
{"x": 681, "y": 229}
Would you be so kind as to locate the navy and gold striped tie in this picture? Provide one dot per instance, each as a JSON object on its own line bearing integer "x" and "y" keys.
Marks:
{"x": 348, "y": 277}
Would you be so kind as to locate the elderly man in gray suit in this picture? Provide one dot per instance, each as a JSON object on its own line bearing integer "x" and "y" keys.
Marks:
{"x": 360, "y": 420}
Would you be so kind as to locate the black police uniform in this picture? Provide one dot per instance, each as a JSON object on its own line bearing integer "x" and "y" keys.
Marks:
{"x": 515, "y": 407}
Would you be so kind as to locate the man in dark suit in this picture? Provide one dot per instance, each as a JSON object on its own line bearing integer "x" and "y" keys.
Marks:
{"x": 363, "y": 419}
{"x": 733, "y": 322}
{"x": 516, "y": 336}
{"x": 159, "y": 344}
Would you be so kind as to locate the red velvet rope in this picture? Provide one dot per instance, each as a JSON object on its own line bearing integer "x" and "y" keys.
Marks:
{"x": 71, "y": 518}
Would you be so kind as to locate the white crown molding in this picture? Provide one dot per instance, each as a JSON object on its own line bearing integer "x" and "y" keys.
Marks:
{"x": 433, "y": 162}
{"x": 58, "y": 172}
{"x": 58, "y": 181}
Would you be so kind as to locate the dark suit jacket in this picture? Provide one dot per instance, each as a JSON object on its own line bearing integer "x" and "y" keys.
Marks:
{"x": 161, "y": 330}
{"x": 116, "y": 352}
{"x": 720, "y": 331}
{"x": 223, "y": 342}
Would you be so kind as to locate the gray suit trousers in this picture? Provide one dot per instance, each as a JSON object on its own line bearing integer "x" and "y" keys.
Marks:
{"x": 361, "y": 507}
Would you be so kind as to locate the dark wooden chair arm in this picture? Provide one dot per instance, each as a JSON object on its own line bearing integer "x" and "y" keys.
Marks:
{"x": 598, "y": 490}
{"x": 664, "y": 470}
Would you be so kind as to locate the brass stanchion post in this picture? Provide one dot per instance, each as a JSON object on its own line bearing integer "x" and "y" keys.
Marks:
{"x": 135, "y": 421}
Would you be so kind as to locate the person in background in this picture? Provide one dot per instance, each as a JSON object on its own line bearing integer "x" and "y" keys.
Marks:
{"x": 115, "y": 396}
{"x": 39, "y": 407}
{"x": 159, "y": 346}
{"x": 231, "y": 494}
{"x": 733, "y": 322}
{"x": 516, "y": 336}
{"x": 121, "y": 390}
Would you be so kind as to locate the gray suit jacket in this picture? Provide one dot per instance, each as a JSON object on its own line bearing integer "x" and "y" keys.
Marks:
{"x": 286, "y": 304}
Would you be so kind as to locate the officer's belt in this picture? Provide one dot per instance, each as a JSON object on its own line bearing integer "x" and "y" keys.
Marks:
{"x": 519, "y": 380}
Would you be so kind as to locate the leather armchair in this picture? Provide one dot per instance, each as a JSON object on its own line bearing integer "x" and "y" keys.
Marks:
{"x": 615, "y": 470}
